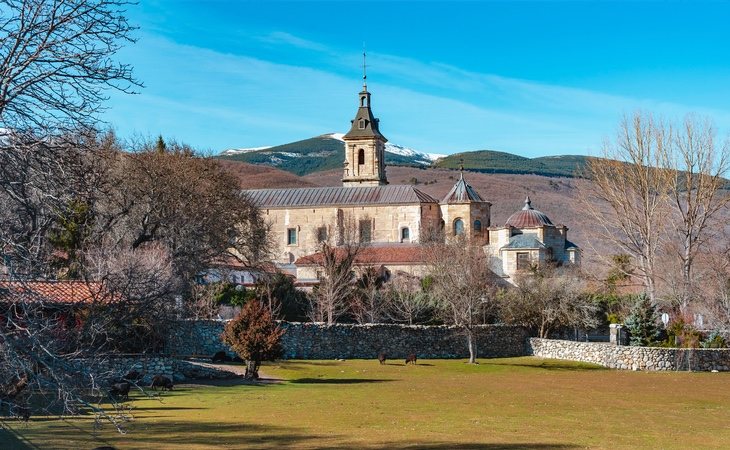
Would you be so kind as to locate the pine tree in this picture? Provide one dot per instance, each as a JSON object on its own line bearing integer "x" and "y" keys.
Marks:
{"x": 642, "y": 322}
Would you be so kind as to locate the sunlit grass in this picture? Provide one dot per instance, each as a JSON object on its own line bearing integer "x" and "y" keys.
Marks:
{"x": 501, "y": 403}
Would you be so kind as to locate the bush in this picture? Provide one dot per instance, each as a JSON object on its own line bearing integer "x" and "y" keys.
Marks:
{"x": 642, "y": 323}
{"x": 714, "y": 340}
{"x": 233, "y": 295}
{"x": 681, "y": 333}
{"x": 254, "y": 336}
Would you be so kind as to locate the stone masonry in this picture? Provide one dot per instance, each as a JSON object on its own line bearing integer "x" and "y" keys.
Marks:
{"x": 632, "y": 358}
{"x": 319, "y": 341}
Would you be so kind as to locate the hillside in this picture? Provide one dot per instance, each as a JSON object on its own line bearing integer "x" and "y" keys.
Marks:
{"x": 490, "y": 161}
{"x": 319, "y": 153}
{"x": 251, "y": 176}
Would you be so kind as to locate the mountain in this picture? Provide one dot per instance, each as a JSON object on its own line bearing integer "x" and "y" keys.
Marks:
{"x": 321, "y": 153}
{"x": 490, "y": 161}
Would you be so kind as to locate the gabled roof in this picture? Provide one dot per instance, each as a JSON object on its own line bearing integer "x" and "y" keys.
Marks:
{"x": 523, "y": 242}
{"x": 60, "y": 292}
{"x": 377, "y": 254}
{"x": 528, "y": 217}
{"x": 571, "y": 246}
{"x": 338, "y": 196}
{"x": 462, "y": 192}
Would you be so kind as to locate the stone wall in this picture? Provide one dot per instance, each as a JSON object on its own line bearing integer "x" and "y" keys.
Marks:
{"x": 318, "y": 341}
{"x": 632, "y": 358}
{"x": 151, "y": 365}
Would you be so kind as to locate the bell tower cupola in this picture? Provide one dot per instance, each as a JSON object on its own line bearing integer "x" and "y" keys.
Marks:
{"x": 364, "y": 145}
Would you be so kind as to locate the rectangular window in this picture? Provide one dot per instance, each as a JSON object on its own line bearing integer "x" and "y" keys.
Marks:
{"x": 291, "y": 236}
{"x": 365, "y": 231}
{"x": 523, "y": 260}
{"x": 321, "y": 234}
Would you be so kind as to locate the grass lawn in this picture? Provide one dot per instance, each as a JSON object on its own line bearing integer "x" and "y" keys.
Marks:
{"x": 501, "y": 403}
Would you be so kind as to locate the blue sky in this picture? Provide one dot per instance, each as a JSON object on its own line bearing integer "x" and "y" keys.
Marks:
{"x": 532, "y": 78}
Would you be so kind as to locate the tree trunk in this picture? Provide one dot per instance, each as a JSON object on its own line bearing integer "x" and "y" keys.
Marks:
{"x": 252, "y": 370}
{"x": 472, "y": 346}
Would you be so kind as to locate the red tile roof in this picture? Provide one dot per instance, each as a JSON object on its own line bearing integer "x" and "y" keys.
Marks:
{"x": 528, "y": 217}
{"x": 50, "y": 291}
{"x": 388, "y": 254}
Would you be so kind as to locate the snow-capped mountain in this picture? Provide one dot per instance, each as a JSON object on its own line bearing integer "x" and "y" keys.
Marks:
{"x": 322, "y": 152}
{"x": 238, "y": 151}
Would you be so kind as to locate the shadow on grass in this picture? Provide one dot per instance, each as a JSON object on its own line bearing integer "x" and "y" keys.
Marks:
{"x": 337, "y": 380}
{"x": 474, "y": 446}
{"x": 549, "y": 364}
{"x": 11, "y": 439}
{"x": 170, "y": 435}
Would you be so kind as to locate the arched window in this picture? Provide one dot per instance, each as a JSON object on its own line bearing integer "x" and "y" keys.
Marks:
{"x": 477, "y": 226}
{"x": 361, "y": 157}
{"x": 405, "y": 234}
{"x": 458, "y": 227}
{"x": 361, "y": 124}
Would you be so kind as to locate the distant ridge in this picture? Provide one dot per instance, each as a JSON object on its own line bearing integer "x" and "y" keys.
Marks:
{"x": 326, "y": 152}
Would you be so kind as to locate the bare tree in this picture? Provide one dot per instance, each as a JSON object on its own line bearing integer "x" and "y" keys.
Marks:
{"x": 628, "y": 199}
{"x": 367, "y": 304}
{"x": 548, "y": 298}
{"x": 57, "y": 63}
{"x": 463, "y": 286}
{"x": 698, "y": 165}
{"x": 331, "y": 297}
{"x": 405, "y": 300}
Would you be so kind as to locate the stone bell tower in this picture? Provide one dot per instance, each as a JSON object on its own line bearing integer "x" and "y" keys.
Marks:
{"x": 364, "y": 145}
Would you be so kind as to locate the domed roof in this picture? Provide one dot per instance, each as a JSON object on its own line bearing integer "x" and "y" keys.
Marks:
{"x": 528, "y": 217}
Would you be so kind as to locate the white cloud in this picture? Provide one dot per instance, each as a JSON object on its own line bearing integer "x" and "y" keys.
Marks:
{"x": 217, "y": 100}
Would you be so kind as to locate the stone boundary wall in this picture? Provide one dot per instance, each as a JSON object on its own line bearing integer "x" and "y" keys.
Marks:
{"x": 150, "y": 365}
{"x": 632, "y": 358}
{"x": 318, "y": 341}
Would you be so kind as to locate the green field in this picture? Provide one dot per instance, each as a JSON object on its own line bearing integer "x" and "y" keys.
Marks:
{"x": 501, "y": 403}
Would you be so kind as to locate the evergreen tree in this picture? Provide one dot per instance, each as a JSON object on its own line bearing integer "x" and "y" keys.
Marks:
{"x": 642, "y": 322}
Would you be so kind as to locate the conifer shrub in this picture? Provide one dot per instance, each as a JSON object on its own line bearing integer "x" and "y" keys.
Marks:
{"x": 643, "y": 323}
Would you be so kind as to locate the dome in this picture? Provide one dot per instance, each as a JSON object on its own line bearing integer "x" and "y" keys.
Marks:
{"x": 528, "y": 217}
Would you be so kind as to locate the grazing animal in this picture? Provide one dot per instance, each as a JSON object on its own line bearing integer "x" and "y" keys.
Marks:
{"x": 22, "y": 413}
{"x": 381, "y": 358}
{"x": 221, "y": 356}
{"x": 411, "y": 358}
{"x": 132, "y": 376}
{"x": 161, "y": 381}
{"x": 120, "y": 390}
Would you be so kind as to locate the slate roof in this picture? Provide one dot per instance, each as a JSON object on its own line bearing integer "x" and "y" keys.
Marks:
{"x": 338, "y": 196}
{"x": 462, "y": 192}
{"x": 569, "y": 245}
{"x": 523, "y": 241}
{"x": 372, "y": 125}
{"x": 528, "y": 217}
{"x": 383, "y": 254}
{"x": 61, "y": 292}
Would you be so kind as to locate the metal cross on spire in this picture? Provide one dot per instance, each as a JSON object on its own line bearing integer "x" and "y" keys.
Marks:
{"x": 364, "y": 67}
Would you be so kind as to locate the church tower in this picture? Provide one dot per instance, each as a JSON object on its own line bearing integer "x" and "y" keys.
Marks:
{"x": 364, "y": 145}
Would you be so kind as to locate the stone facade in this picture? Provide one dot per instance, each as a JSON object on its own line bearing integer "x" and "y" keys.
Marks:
{"x": 527, "y": 239}
{"x": 632, "y": 358}
{"x": 386, "y": 225}
{"x": 319, "y": 341}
